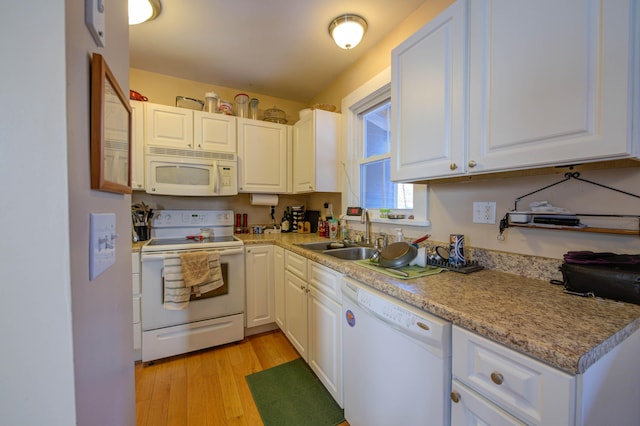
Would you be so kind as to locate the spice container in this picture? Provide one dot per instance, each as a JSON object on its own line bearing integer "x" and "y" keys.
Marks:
{"x": 212, "y": 102}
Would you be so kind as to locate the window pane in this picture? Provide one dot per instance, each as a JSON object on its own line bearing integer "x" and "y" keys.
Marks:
{"x": 377, "y": 131}
{"x": 377, "y": 190}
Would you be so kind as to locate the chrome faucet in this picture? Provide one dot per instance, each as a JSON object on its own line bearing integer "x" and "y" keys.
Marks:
{"x": 364, "y": 218}
{"x": 381, "y": 236}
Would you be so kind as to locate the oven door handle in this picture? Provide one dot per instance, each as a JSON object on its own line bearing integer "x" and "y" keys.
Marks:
{"x": 223, "y": 252}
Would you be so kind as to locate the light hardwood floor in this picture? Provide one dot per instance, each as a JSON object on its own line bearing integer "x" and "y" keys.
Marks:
{"x": 208, "y": 387}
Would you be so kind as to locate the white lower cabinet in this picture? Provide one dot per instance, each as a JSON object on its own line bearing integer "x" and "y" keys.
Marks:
{"x": 278, "y": 273}
{"x": 137, "y": 296}
{"x": 496, "y": 385}
{"x": 312, "y": 310}
{"x": 532, "y": 392}
{"x": 469, "y": 408}
{"x": 260, "y": 286}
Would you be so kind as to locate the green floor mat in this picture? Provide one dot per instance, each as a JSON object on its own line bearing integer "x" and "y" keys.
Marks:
{"x": 290, "y": 394}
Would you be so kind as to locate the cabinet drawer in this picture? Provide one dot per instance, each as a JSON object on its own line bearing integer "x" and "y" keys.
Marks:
{"x": 469, "y": 408}
{"x": 326, "y": 280}
{"x": 534, "y": 392}
{"x": 296, "y": 264}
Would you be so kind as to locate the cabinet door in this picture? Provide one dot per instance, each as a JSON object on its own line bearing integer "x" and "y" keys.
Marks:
{"x": 259, "y": 285}
{"x": 304, "y": 159}
{"x": 137, "y": 145}
{"x": 263, "y": 156}
{"x": 278, "y": 262}
{"x": 295, "y": 303}
{"x": 469, "y": 408}
{"x": 315, "y": 152}
{"x": 549, "y": 82}
{"x": 428, "y": 99}
{"x": 168, "y": 126}
{"x": 325, "y": 341}
{"x": 214, "y": 132}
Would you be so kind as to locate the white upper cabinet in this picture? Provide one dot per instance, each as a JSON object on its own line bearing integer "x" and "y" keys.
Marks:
{"x": 550, "y": 82}
{"x": 214, "y": 132}
{"x": 169, "y": 126}
{"x": 500, "y": 85}
{"x": 315, "y": 144}
{"x": 175, "y": 127}
{"x": 264, "y": 156}
{"x": 137, "y": 145}
{"x": 428, "y": 99}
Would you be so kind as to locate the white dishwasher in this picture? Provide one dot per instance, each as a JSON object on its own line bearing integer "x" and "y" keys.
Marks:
{"x": 397, "y": 361}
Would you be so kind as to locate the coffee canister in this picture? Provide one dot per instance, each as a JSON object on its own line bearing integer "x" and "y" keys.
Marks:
{"x": 456, "y": 250}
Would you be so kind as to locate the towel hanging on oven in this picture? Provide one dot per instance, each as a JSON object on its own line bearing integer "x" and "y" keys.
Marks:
{"x": 191, "y": 275}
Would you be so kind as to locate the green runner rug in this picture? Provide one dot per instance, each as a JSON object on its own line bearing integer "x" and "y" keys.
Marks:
{"x": 290, "y": 394}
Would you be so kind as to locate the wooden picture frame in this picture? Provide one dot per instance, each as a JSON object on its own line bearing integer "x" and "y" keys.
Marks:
{"x": 110, "y": 131}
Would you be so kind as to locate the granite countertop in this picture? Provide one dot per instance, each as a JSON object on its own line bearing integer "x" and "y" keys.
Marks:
{"x": 528, "y": 315}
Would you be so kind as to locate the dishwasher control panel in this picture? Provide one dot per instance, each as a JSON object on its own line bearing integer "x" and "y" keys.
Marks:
{"x": 390, "y": 312}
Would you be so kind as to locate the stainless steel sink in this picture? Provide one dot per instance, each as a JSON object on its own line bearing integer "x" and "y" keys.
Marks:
{"x": 319, "y": 246}
{"x": 351, "y": 253}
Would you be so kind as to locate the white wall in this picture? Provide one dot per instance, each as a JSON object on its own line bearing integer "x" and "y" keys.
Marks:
{"x": 102, "y": 308}
{"x": 36, "y": 359}
{"x": 66, "y": 354}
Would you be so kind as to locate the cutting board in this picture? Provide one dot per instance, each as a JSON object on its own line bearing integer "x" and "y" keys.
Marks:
{"x": 414, "y": 271}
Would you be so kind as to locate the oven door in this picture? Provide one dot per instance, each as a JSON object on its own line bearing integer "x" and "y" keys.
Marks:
{"x": 155, "y": 316}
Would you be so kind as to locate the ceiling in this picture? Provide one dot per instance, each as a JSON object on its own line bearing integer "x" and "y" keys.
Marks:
{"x": 279, "y": 48}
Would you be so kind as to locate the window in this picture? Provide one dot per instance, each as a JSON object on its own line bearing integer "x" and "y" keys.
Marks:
{"x": 368, "y": 143}
{"x": 376, "y": 189}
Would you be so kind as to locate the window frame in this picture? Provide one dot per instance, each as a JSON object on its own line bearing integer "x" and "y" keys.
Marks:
{"x": 367, "y": 96}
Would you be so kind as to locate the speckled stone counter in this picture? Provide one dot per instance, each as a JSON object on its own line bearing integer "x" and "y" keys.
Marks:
{"x": 525, "y": 314}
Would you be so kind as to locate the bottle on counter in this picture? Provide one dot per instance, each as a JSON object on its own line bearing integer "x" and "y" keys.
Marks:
{"x": 285, "y": 226}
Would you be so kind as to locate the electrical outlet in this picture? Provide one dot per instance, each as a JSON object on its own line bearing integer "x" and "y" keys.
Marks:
{"x": 484, "y": 212}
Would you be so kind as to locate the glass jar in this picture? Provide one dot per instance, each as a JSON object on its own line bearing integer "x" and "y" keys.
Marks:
{"x": 242, "y": 105}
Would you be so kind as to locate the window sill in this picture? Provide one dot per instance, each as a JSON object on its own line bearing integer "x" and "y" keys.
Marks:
{"x": 392, "y": 222}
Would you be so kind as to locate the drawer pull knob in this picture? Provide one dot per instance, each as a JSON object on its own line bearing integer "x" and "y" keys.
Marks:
{"x": 455, "y": 396}
{"x": 453, "y": 166}
{"x": 472, "y": 163}
{"x": 497, "y": 378}
{"x": 423, "y": 325}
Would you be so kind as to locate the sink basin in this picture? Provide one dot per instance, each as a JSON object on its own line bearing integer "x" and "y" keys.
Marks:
{"x": 351, "y": 253}
{"x": 319, "y": 246}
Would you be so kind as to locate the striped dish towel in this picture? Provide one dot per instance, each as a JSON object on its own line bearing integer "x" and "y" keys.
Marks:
{"x": 178, "y": 290}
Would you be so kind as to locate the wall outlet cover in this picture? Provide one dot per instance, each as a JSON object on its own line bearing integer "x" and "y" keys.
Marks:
{"x": 102, "y": 243}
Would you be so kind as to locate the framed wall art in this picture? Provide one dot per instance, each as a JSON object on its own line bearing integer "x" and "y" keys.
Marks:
{"x": 110, "y": 131}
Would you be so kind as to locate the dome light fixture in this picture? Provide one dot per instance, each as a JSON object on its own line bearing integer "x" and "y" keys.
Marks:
{"x": 347, "y": 30}
{"x": 143, "y": 10}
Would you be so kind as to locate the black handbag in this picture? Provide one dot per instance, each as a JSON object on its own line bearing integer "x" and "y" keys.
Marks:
{"x": 606, "y": 275}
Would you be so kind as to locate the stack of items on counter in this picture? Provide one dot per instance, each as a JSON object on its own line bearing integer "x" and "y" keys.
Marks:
{"x": 296, "y": 219}
{"x": 141, "y": 216}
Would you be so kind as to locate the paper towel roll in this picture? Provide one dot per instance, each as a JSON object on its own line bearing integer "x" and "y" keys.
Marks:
{"x": 264, "y": 199}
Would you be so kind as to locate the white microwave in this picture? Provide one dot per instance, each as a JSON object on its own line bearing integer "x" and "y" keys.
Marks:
{"x": 175, "y": 171}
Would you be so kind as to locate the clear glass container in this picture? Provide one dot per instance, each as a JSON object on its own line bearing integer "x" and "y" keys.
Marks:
{"x": 253, "y": 108}
{"x": 242, "y": 105}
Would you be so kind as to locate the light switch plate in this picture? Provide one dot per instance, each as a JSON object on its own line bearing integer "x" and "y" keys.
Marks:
{"x": 94, "y": 18}
{"x": 102, "y": 243}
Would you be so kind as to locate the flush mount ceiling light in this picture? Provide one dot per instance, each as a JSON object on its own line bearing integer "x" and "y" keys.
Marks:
{"x": 347, "y": 30}
{"x": 143, "y": 10}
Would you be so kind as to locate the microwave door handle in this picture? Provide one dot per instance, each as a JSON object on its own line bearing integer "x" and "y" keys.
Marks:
{"x": 216, "y": 178}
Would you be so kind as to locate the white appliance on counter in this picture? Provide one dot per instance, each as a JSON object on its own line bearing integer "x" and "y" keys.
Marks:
{"x": 396, "y": 361}
{"x": 212, "y": 319}
{"x": 175, "y": 171}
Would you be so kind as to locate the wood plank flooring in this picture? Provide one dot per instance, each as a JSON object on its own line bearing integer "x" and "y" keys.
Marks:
{"x": 208, "y": 387}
